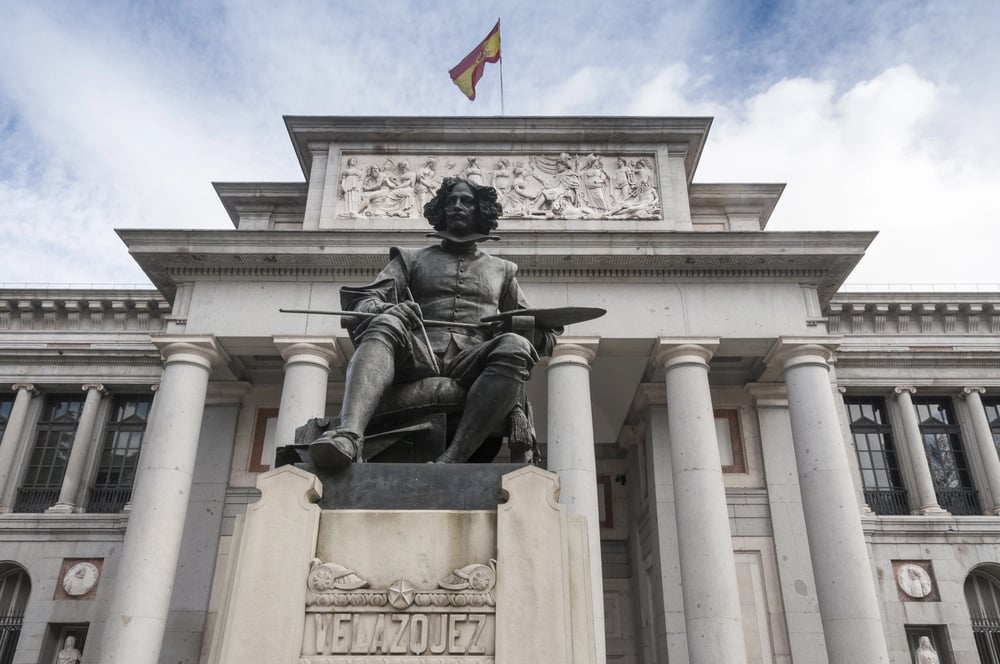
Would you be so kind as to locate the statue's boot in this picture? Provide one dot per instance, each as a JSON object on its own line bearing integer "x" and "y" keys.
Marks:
{"x": 489, "y": 401}
{"x": 369, "y": 374}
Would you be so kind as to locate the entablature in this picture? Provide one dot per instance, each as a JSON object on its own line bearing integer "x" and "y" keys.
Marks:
{"x": 822, "y": 260}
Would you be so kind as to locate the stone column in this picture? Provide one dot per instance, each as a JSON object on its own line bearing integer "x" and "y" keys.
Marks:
{"x": 140, "y": 601}
{"x": 303, "y": 394}
{"x": 11, "y": 439}
{"x": 848, "y": 603}
{"x": 984, "y": 440}
{"x": 570, "y": 453}
{"x": 927, "y": 502}
{"x": 80, "y": 451}
{"x": 712, "y": 614}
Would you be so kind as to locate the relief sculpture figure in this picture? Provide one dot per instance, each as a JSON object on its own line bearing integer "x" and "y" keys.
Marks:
{"x": 389, "y": 193}
{"x": 426, "y": 182}
{"x": 453, "y": 281}
{"x": 350, "y": 187}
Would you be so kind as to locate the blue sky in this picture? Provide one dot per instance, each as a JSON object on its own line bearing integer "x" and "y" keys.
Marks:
{"x": 878, "y": 115}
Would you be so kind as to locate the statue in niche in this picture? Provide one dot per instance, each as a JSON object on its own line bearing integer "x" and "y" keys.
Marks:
{"x": 458, "y": 285}
{"x": 926, "y": 654}
{"x": 69, "y": 654}
{"x": 350, "y": 187}
{"x": 426, "y": 182}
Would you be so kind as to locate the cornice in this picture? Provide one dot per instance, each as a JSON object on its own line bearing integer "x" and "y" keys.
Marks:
{"x": 64, "y": 310}
{"x": 279, "y": 196}
{"x": 455, "y": 132}
{"x": 821, "y": 259}
{"x": 914, "y": 313}
{"x": 733, "y": 198}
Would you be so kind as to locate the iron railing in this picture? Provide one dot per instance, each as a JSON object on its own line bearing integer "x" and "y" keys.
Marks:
{"x": 10, "y": 632}
{"x": 887, "y": 501}
{"x": 987, "y": 633}
{"x": 109, "y": 500}
{"x": 960, "y": 502}
{"x": 34, "y": 501}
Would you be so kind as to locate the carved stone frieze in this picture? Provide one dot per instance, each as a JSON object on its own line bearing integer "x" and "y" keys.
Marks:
{"x": 82, "y": 311}
{"x": 347, "y": 622}
{"x": 536, "y": 186}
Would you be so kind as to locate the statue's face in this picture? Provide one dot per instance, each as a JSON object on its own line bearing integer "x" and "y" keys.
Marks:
{"x": 70, "y": 641}
{"x": 460, "y": 211}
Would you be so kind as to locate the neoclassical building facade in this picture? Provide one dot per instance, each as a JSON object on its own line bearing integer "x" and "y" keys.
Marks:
{"x": 772, "y": 469}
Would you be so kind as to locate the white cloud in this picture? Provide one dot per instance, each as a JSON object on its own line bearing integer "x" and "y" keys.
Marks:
{"x": 863, "y": 160}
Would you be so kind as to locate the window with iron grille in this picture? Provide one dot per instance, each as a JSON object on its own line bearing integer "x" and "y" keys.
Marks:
{"x": 50, "y": 454}
{"x": 15, "y": 587}
{"x": 883, "y": 484}
{"x": 112, "y": 486}
{"x": 982, "y": 595}
{"x": 6, "y": 404}
{"x": 949, "y": 466}
{"x": 992, "y": 405}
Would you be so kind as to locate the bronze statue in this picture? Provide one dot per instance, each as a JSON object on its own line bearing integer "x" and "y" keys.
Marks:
{"x": 456, "y": 285}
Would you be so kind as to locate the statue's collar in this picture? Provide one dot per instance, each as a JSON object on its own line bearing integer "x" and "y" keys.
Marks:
{"x": 465, "y": 244}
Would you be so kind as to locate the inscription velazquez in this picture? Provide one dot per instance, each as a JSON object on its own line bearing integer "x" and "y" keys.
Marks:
{"x": 402, "y": 634}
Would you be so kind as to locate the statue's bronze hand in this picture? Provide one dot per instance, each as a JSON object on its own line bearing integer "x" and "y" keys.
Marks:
{"x": 409, "y": 312}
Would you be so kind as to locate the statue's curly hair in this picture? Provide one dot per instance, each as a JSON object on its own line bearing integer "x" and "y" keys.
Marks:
{"x": 486, "y": 202}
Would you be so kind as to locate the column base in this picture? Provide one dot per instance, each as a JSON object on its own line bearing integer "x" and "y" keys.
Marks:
{"x": 932, "y": 510}
{"x": 6, "y": 509}
{"x": 64, "y": 508}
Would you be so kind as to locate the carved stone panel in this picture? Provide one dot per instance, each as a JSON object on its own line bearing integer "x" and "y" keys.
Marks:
{"x": 915, "y": 580}
{"x": 529, "y": 186}
{"x": 348, "y": 622}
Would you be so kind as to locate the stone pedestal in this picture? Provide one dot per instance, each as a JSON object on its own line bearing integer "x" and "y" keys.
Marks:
{"x": 505, "y": 585}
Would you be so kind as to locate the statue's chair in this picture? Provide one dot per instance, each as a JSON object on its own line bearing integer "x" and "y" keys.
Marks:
{"x": 415, "y": 422}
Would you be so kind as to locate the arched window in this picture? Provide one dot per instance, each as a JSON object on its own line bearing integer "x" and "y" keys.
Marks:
{"x": 15, "y": 586}
{"x": 982, "y": 594}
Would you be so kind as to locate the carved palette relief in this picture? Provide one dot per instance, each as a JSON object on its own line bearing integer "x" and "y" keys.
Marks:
{"x": 348, "y": 622}
{"x": 540, "y": 186}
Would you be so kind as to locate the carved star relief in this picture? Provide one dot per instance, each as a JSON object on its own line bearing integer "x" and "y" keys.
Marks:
{"x": 401, "y": 594}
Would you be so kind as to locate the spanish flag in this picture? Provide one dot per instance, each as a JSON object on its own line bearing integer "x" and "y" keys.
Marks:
{"x": 468, "y": 72}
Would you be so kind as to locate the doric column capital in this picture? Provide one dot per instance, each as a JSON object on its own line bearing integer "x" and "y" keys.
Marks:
{"x": 321, "y": 351}
{"x": 768, "y": 395}
{"x": 969, "y": 391}
{"x": 574, "y": 350}
{"x": 203, "y": 351}
{"x": 788, "y": 352}
{"x": 907, "y": 389}
{"x": 670, "y": 352}
{"x": 98, "y": 387}
{"x": 27, "y": 387}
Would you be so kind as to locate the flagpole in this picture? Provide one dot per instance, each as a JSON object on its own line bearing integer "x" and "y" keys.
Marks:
{"x": 501, "y": 68}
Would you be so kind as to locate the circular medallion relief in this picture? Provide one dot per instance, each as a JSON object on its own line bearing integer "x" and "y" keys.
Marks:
{"x": 80, "y": 579}
{"x": 914, "y": 581}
